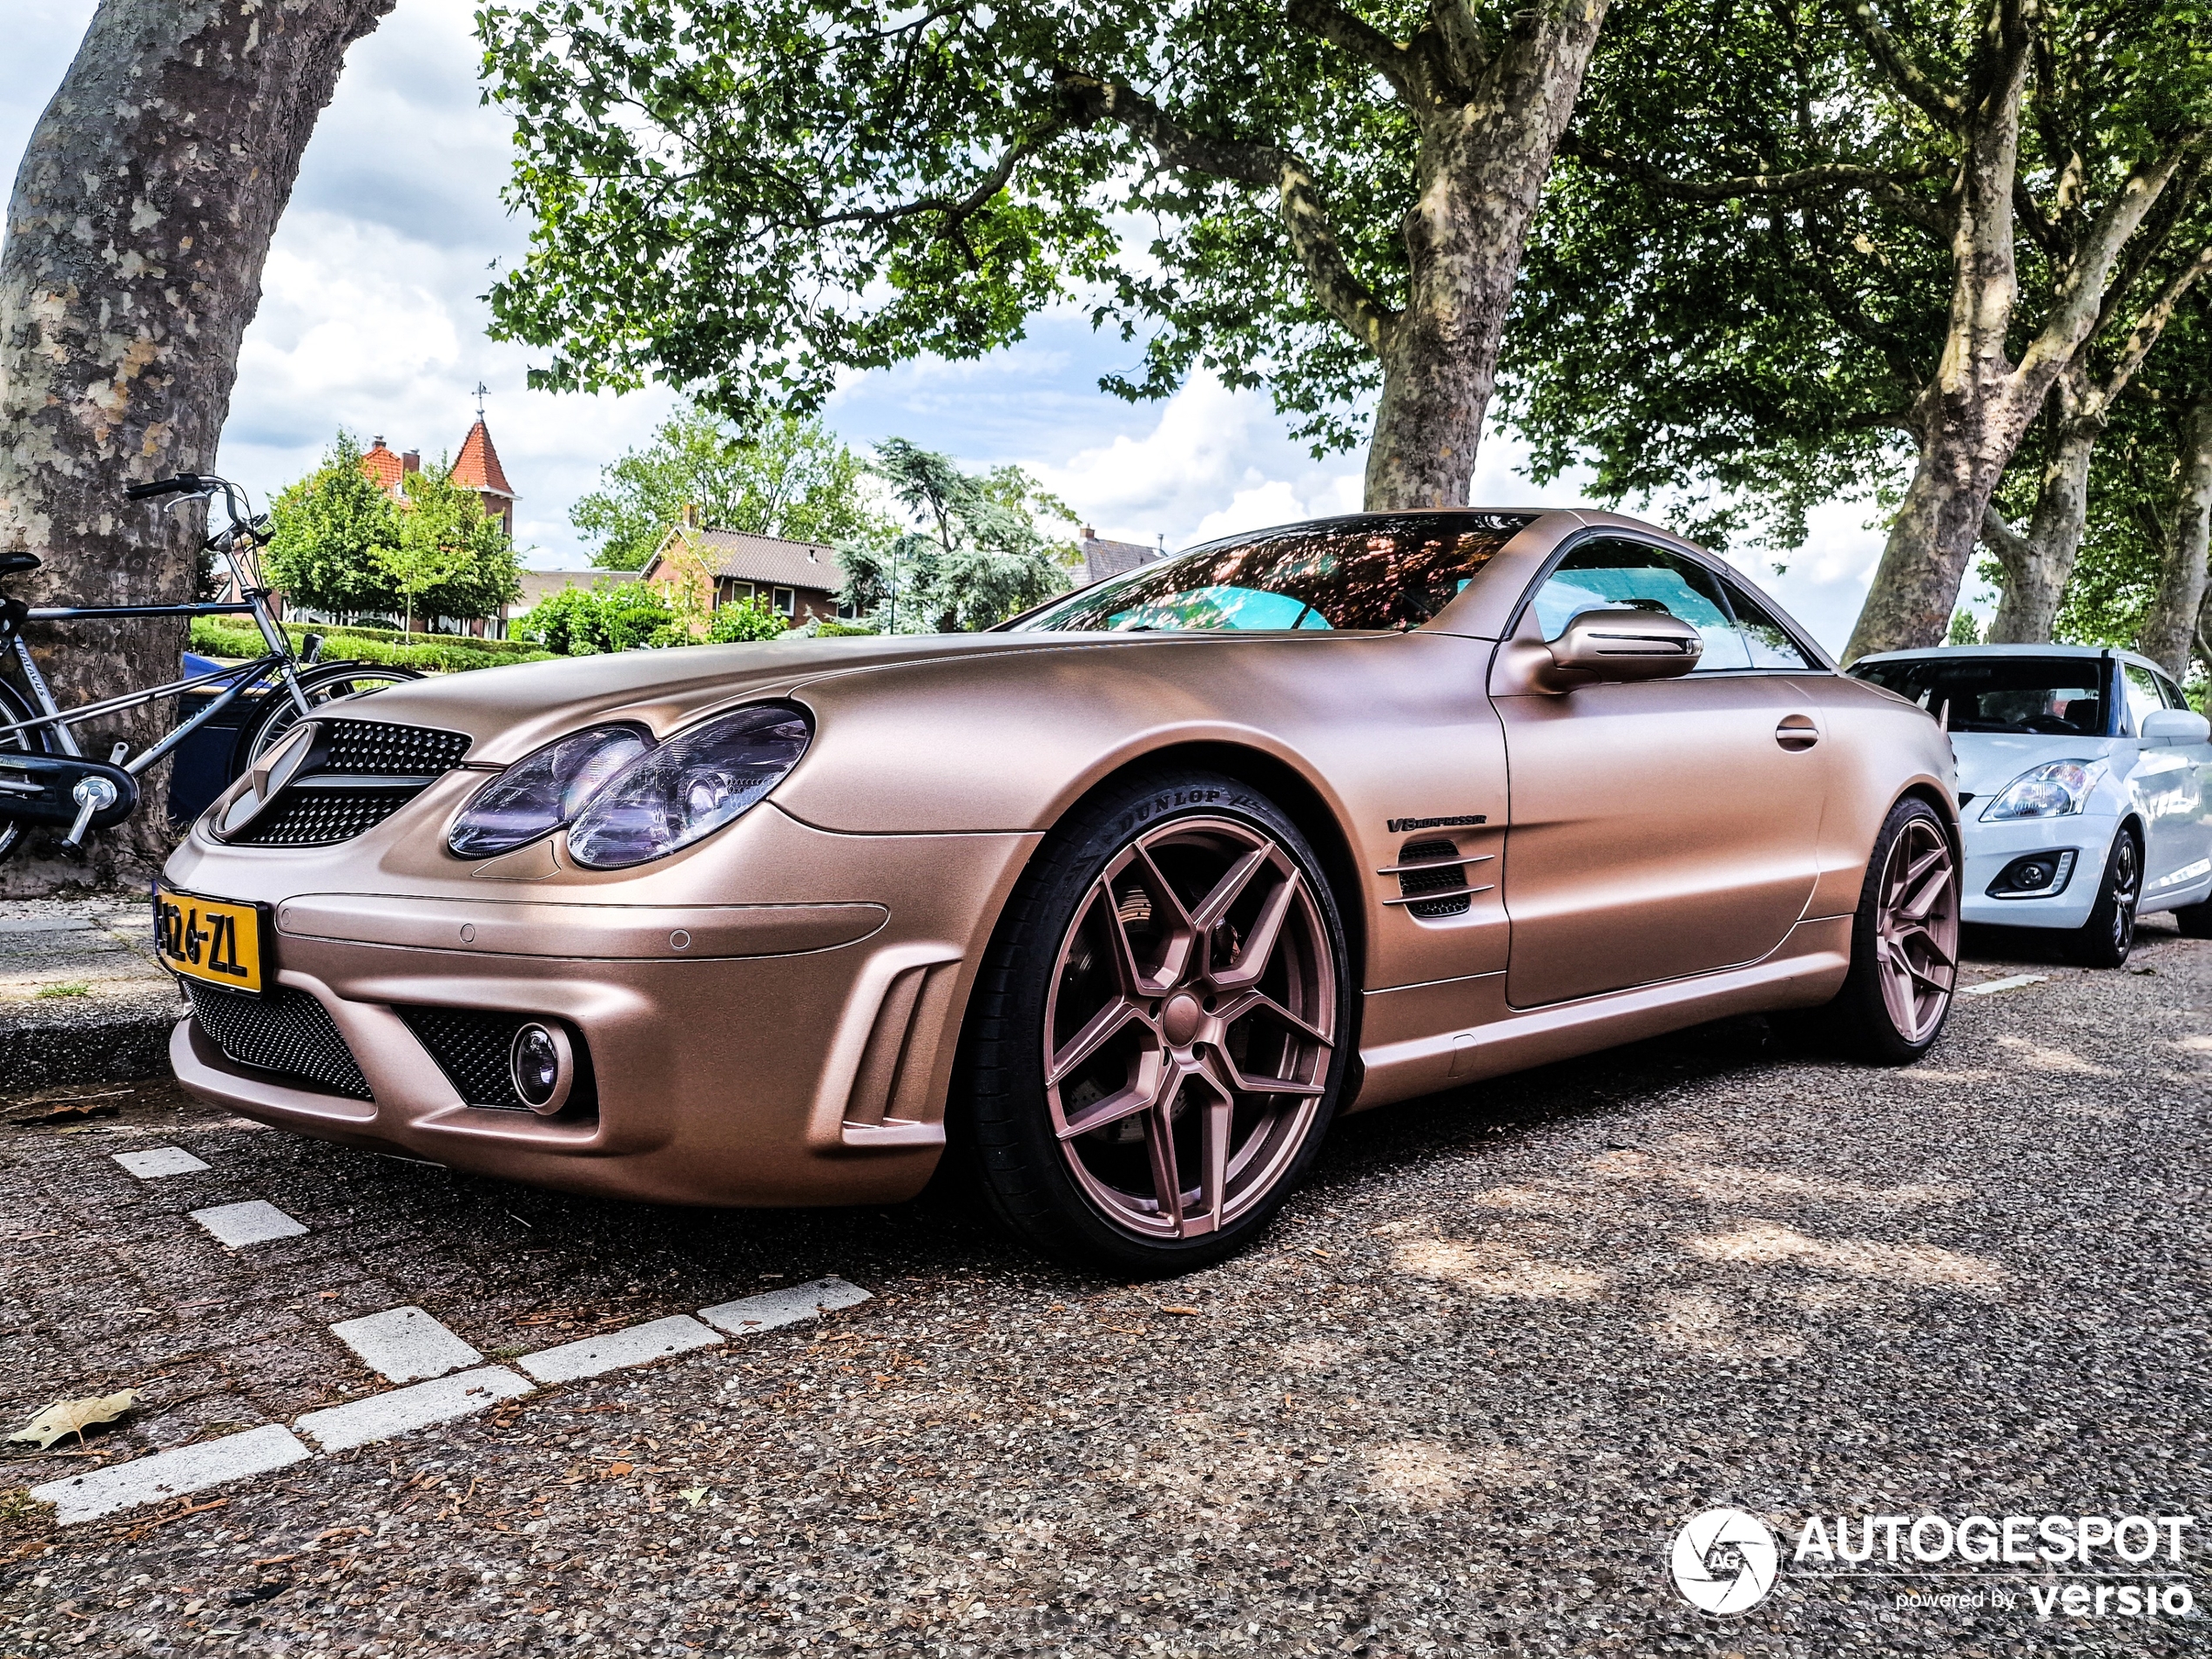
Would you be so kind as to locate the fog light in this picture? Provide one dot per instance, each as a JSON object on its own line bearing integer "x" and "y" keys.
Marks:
{"x": 542, "y": 1067}
{"x": 2034, "y": 876}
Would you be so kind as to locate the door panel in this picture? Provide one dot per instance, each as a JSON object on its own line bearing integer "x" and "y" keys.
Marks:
{"x": 1657, "y": 830}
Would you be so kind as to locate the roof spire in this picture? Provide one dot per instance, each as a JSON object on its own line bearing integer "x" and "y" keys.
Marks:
{"x": 480, "y": 390}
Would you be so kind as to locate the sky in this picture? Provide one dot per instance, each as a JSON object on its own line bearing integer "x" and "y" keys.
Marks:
{"x": 372, "y": 318}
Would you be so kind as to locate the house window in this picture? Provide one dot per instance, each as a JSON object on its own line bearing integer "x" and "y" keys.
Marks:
{"x": 786, "y": 602}
{"x": 847, "y": 612}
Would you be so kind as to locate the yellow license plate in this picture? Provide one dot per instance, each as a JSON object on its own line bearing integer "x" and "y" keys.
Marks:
{"x": 215, "y": 939}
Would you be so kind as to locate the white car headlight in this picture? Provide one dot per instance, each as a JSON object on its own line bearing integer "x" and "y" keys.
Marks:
{"x": 544, "y": 790}
{"x": 689, "y": 786}
{"x": 2052, "y": 790}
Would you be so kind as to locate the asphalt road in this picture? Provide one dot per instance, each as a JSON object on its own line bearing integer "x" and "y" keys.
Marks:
{"x": 1459, "y": 1401}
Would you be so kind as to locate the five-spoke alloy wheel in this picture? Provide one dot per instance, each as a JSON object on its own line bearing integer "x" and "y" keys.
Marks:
{"x": 1904, "y": 943}
{"x": 1159, "y": 1045}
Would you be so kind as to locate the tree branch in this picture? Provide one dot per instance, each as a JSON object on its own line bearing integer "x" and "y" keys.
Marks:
{"x": 1943, "y": 107}
{"x": 1312, "y": 237}
{"x": 1834, "y": 178}
{"x": 1405, "y": 71}
{"x": 2081, "y": 296}
{"x": 2152, "y": 322}
{"x": 2008, "y": 544}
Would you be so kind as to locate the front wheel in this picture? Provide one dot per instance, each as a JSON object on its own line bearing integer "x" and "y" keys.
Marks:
{"x": 324, "y": 683}
{"x": 1904, "y": 944}
{"x": 2108, "y": 936}
{"x": 1162, "y": 1030}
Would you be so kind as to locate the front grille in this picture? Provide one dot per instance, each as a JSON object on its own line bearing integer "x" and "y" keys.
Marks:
{"x": 1450, "y": 879}
{"x": 324, "y": 806}
{"x": 285, "y": 1031}
{"x": 324, "y": 817}
{"x": 372, "y": 748}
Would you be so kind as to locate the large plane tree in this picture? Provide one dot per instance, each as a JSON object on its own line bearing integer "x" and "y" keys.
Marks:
{"x": 141, "y": 215}
{"x": 1327, "y": 200}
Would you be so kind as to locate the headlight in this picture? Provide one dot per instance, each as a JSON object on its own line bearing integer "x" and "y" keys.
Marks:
{"x": 2049, "y": 791}
{"x": 692, "y": 785}
{"x": 544, "y": 790}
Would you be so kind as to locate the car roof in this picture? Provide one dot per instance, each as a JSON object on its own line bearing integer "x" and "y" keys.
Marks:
{"x": 1949, "y": 653}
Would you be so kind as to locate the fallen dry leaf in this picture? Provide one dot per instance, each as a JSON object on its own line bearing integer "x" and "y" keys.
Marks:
{"x": 75, "y": 1416}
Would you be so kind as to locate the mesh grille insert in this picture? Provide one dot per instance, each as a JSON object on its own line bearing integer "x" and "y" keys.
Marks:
{"x": 372, "y": 748}
{"x": 471, "y": 1047}
{"x": 323, "y": 817}
{"x": 1450, "y": 879}
{"x": 285, "y": 1031}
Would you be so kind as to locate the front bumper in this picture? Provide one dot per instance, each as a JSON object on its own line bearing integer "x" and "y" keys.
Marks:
{"x": 1991, "y": 847}
{"x": 744, "y": 1053}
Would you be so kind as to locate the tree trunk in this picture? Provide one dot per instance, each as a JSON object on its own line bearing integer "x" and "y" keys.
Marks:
{"x": 1483, "y": 164}
{"x": 2169, "y": 631}
{"x": 2039, "y": 565}
{"x": 141, "y": 216}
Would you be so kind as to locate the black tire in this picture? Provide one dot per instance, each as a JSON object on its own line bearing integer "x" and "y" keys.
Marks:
{"x": 13, "y": 831}
{"x": 1083, "y": 1196}
{"x": 1865, "y": 1021}
{"x": 325, "y": 683}
{"x": 2195, "y": 920}
{"x": 2107, "y": 938}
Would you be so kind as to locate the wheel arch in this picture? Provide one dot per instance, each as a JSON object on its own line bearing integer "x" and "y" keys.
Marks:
{"x": 1289, "y": 788}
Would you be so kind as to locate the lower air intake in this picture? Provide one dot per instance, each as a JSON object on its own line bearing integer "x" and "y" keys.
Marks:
{"x": 285, "y": 1031}
{"x": 471, "y": 1047}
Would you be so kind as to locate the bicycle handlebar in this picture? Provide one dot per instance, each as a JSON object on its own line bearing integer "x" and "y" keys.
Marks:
{"x": 185, "y": 483}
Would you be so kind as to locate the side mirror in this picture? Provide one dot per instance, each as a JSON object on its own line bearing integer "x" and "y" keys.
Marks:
{"x": 1622, "y": 645}
{"x": 2165, "y": 726}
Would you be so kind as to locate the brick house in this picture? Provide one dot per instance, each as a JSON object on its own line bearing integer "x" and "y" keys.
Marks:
{"x": 798, "y": 581}
{"x": 1104, "y": 558}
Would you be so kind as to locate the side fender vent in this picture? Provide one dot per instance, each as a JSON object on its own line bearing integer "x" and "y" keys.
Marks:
{"x": 1448, "y": 879}
{"x": 889, "y": 1103}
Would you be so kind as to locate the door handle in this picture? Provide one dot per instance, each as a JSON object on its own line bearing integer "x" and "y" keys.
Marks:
{"x": 1796, "y": 732}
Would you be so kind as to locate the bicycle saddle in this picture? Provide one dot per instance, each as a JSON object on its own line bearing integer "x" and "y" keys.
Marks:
{"x": 13, "y": 559}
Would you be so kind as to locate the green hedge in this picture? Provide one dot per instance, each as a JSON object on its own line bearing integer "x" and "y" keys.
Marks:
{"x": 218, "y": 636}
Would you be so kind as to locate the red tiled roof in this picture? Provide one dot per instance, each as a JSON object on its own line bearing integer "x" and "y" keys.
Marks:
{"x": 478, "y": 466}
{"x": 382, "y": 467}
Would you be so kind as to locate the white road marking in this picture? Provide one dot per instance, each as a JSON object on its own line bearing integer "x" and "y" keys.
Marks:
{"x": 402, "y": 1411}
{"x": 167, "y": 1475}
{"x": 403, "y": 1344}
{"x": 787, "y": 1306}
{"x": 252, "y": 1222}
{"x": 2010, "y": 982}
{"x": 156, "y": 1162}
{"x": 635, "y": 1345}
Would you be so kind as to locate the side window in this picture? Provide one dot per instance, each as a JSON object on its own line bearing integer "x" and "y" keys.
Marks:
{"x": 1628, "y": 576}
{"x": 1765, "y": 640}
{"x": 2143, "y": 694}
{"x": 2172, "y": 694}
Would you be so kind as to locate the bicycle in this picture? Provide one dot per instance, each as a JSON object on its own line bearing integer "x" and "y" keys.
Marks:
{"x": 46, "y": 779}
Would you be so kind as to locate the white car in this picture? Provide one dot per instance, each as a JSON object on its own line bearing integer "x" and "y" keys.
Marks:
{"x": 2085, "y": 787}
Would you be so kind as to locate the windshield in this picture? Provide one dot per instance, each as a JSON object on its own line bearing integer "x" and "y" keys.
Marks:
{"x": 1375, "y": 574}
{"x": 2052, "y": 696}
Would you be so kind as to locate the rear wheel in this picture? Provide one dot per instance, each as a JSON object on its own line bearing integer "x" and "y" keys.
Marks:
{"x": 1162, "y": 1030}
{"x": 1904, "y": 943}
{"x": 14, "y": 832}
{"x": 2108, "y": 936}
{"x": 324, "y": 683}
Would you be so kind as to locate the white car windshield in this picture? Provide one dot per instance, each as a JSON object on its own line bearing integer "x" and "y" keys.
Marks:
{"x": 2054, "y": 697}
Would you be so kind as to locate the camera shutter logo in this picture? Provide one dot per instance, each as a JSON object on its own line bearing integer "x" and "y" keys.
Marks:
{"x": 1724, "y": 1560}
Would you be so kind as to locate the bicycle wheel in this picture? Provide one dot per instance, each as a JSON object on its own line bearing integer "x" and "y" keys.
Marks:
{"x": 14, "y": 832}
{"x": 324, "y": 684}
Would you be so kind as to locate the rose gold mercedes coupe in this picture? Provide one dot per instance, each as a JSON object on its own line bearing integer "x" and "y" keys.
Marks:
{"x": 1128, "y": 899}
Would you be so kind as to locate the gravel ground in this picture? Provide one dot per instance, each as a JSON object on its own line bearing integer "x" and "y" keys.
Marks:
{"x": 1459, "y": 1401}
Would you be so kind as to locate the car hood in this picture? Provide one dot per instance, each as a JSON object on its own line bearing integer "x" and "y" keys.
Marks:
{"x": 1989, "y": 760}
{"x": 509, "y": 712}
